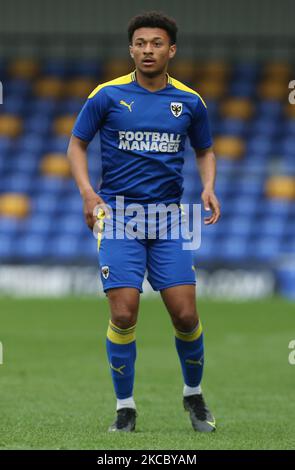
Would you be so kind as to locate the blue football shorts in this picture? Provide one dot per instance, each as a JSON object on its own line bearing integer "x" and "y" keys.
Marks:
{"x": 129, "y": 248}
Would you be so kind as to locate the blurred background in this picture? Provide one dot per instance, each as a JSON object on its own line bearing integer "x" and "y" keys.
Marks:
{"x": 239, "y": 55}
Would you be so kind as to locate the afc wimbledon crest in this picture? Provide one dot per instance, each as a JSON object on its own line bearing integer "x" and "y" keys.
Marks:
{"x": 105, "y": 271}
{"x": 176, "y": 109}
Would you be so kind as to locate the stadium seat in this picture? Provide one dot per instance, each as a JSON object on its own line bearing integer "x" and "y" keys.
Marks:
{"x": 63, "y": 125}
{"x": 23, "y": 68}
{"x": 116, "y": 68}
{"x": 184, "y": 70}
{"x": 49, "y": 87}
{"x": 14, "y": 205}
{"x": 229, "y": 147}
{"x": 273, "y": 90}
{"x": 281, "y": 187}
{"x": 55, "y": 164}
{"x": 237, "y": 108}
{"x": 10, "y": 125}
{"x": 79, "y": 87}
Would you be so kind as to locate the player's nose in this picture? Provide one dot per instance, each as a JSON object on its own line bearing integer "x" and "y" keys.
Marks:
{"x": 148, "y": 49}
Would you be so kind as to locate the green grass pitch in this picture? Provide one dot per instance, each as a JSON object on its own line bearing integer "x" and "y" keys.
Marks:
{"x": 56, "y": 390}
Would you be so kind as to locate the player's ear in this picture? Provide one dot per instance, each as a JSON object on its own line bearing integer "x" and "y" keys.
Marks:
{"x": 131, "y": 51}
{"x": 172, "y": 51}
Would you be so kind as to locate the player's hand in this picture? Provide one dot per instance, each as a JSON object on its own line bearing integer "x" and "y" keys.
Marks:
{"x": 211, "y": 202}
{"x": 90, "y": 202}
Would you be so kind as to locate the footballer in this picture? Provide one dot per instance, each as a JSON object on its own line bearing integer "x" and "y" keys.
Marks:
{"x": 144, "y": 119}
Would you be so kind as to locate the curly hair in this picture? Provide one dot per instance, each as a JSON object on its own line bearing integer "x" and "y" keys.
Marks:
{"x": 153, "y": 19}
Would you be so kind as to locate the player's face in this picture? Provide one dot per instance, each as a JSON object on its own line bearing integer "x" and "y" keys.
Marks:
{"x": 151, "y": 50}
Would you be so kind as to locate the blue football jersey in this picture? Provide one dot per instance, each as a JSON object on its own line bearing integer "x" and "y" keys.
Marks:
{"x": 143, "y": 136}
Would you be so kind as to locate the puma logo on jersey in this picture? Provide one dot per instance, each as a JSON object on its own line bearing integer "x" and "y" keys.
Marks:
{"x": 127, "y": 105}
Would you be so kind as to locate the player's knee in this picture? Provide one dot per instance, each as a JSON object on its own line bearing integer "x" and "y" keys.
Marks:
{"x": 185, "y": 321}
{"x": 124, "y": 320}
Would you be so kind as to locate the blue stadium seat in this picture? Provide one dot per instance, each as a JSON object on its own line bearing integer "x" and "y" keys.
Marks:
{"x": 206, "y": 252}
{"x": 55, "y": 68}
{"x": 11, "y": 226}
{"x": 88, "y": 68}
{"x": 242, "y": 88}
{"x": 234, "y": 248}
{"x": 30, "y": 142}
{"x": 38, "y": 126}
{"x": 7, "y": 246}
{"x": 46, "y": 204}
{"x": 16, "y": 183}
{"x": 74, "y": 224}
{"x": 32, "y": 248}
{"x": 266, "y": 248}
{"x": 17, "y": 87}
{"x": 235, "y": 127}
{"x": 49, "y": 184}
{"x": 6, "y": 143}
{"x": 269, "y": 108}
{"x": 57, "y": 144}
{"x": 63, "y": 247}
{"x": 260, "y": 144}
{"x": 39, "y": 224}
{"x": 12, "y": 105}
{"x": 247, "y": 71}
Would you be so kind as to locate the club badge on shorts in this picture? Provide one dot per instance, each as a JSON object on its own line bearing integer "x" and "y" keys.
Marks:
{"x": 176, "y": 108}
{"x": 105, "y": 271}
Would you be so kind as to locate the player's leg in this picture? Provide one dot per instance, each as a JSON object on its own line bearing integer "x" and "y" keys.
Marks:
{"x": 170, "y": 271}
{"x": 121, "y": 351}
{"x": 123, "y": 264}
{"x": 181, "y": 304}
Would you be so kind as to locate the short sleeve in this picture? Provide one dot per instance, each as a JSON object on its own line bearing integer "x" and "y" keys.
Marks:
{"x": 199, "y": 132}
{"x": 91, "y": 117}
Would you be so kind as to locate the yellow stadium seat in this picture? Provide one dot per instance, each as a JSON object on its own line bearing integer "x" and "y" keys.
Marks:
{"x": 80, "y": 87}
{"x": 290, "y": 111}
{"x": 23, "y": 68}
{"x": 14, "y": 205}
{"x": 237, "y": 108}
{"x": 117, "y": 68}
{"x": 280, "y": 187}
{"x": 217, "y": 70}
{"x": 210, "y": 89}
{"x": 49, "y": 87}
{"x": 63, "y": 125}
{"x": 273, "y": 90}
{"x": 55, "y": 164}
{"x": 229, "y": 147}
{"x": 279, "y": 71}
{"x": 183, "y": 70}
{"x": 10, "y": 126}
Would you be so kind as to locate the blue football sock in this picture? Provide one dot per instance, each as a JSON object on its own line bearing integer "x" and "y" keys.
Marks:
{"x": 190, "y": 350}
{"x": 121, "y": 351}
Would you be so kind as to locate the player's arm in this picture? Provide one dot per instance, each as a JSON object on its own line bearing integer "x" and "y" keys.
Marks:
{"x": 77, "y": 155}
{"x": 207, "y": 168}
{"x": 201, "y": 140}
{"x": 87, "y": 124}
